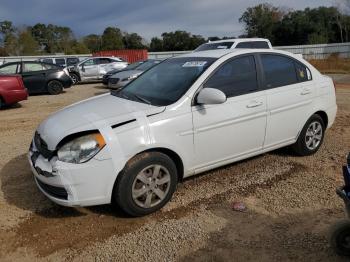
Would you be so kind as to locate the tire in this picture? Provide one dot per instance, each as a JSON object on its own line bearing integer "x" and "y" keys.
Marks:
{"x": 340, "y": 238}
{"x": 75, "y": 78}
{"x": 146, "y": 184}
{"x": 311, "y": 137}
{"x": 54, "y": 87}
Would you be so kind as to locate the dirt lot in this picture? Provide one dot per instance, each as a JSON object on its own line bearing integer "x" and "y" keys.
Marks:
{"x": 291, "y": 204}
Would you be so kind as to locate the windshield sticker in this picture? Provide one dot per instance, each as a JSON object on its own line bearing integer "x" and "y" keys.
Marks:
{"x": 194, "y": 64}
{"x": 222, "y": 47}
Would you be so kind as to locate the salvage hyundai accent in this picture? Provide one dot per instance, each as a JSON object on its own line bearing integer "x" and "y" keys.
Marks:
{"x": 184, "y": 116}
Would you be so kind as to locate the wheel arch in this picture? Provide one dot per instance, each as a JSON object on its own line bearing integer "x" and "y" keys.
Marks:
{"x": 324, "y": 117}
{"x": 170, "y": 153}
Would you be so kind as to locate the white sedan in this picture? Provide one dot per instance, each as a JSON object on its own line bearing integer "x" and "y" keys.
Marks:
{"x": 188, "y": 114}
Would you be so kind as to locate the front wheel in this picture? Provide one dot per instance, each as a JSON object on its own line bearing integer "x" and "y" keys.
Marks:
{"x": 311, "y": 137}
{"x": 54, "y": 87}
{"x": 340, "y": 238}
{"x": 146, "y": 184}
{"x": 75, "y": 78}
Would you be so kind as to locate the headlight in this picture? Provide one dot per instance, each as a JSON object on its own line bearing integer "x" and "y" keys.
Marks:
{"x": 81, "y": 149}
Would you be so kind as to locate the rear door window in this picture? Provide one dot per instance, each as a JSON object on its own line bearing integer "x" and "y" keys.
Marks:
{"x": 103, "y": 61}
{"x": 236, "y": 77}
{"x": 32, "y": 67}
{"x": 303, "y": 73}
{"x": 278, "y": 70}
{"x": 9, "y": 69}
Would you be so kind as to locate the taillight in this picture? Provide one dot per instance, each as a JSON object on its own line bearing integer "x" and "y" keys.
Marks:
{"x": 20, "y": 81}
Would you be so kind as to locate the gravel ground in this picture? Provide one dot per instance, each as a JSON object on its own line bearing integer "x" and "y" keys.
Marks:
{"x": 291, "y": 204}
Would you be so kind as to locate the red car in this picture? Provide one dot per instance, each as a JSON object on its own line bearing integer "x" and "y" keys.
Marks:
{"x": 12, "y": 90}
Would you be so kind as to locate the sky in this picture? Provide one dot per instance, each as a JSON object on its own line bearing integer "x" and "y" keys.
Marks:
{"x": 148, "y": 18}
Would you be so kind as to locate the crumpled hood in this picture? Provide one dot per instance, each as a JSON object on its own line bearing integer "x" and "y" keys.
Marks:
{"x": 78, "y": 117}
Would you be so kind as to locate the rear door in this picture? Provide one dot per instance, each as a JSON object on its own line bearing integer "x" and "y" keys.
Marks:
{"x": 290, "y": 93}
{"x": 34, "y": 76}
{"x": 105, "y": 65}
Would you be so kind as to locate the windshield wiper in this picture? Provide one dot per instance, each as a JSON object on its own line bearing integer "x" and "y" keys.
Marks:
{"x": 118, "y": 93}
{"x": 140, "y": 98}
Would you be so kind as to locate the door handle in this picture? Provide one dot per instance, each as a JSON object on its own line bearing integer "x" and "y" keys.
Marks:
{"x": 254, "y": 104}
{"x": 305, "y": 91}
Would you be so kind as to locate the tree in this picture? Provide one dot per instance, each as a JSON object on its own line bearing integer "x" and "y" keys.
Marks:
{"x": 93, "y": 42}
{"x": 181, "y": 41}
{"x": 78, "y": 47}
{"x": 260, "y": 20}
{"x": 26, "y": 44}
{"x": 112, "y": 39}
{"x": 133, "y": 41}
{"x": 156, "y": 44}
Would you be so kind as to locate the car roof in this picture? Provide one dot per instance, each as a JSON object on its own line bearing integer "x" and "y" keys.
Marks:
{"x": 222, "y": 52}
{"x": 240, "y": 40}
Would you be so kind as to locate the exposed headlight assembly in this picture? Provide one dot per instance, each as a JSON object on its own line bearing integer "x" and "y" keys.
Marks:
{"x": 81, "y": 149}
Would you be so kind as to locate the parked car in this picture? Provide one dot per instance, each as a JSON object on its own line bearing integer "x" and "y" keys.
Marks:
{"x": 61, "y": 61}
{"x": 258, "y": 43}
{"x": 184, "y": 116}
{"x": 39, "y": 77}
{"x": 114, "y": 71}
{"x": 12, "y": 90}
{"x": 122, "y": 78}
{"x": 95, "y": 68}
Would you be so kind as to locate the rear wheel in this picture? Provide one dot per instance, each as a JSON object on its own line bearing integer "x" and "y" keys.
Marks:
{"x": 75, "y": 78}
{"x": 146, "y": 184}
{"x": 311, "y": 137}
{"x": 54, "y": 87}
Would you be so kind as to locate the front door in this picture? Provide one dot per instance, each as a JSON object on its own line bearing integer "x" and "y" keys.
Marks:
{"x": 236, "y": 128}
{"x": 89, "y": 69}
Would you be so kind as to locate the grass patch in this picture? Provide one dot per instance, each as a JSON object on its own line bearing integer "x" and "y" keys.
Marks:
{"x": 332, "y": 65}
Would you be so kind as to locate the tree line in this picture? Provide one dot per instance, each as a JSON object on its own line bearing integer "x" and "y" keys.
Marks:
{"x": 282, "y": 26}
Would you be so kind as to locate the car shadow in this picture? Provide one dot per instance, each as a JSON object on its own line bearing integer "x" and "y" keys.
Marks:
{"x": 13, "y": 106}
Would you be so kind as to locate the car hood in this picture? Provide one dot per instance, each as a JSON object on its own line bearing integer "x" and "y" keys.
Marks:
{"x": 125, "y": 74}
{"x": 83, "y": 116}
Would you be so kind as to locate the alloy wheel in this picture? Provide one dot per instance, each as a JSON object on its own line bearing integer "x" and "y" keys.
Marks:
{"x": 151, "y": 186}
{"x": 313, "y": 136}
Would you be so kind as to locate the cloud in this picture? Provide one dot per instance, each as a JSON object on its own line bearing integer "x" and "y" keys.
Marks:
{"x": 148, "y": 18}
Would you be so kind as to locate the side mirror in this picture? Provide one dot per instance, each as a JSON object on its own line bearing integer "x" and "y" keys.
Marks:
{"x": 211, "y": 96}
{"x": 82, "y": 68}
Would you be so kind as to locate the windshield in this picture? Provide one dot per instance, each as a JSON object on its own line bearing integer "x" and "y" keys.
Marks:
{"x": 147, "y": 65}
{"x": 166, "y": 82}
{"x": 213, "y": 46}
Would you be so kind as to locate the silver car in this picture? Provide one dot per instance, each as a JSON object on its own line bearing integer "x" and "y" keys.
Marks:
{"x": 120, "y": 79}
{"x": 95, "y": 68}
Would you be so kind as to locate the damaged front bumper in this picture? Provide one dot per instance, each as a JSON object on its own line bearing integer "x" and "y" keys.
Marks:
{"x": 68, "y": 184}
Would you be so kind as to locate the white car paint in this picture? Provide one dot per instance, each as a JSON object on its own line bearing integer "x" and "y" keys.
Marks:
{"x": 203, "y": 136}
{"x": 236, "y": 42}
